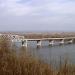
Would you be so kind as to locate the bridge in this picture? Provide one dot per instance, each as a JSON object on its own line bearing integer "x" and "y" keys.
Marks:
{"x": 51, "y": 41}
{"x": 24, "y": 41}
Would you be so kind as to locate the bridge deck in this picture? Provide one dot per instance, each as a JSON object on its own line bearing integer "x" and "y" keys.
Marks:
{"x": 51, "y": 39}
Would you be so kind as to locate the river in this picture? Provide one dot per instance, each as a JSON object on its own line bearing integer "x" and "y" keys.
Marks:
{"x": 50, "y": 54}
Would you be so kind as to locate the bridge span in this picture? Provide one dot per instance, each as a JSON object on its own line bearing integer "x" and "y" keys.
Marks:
{"x": 24, "y": 41}
{"x": 51, "y": 41}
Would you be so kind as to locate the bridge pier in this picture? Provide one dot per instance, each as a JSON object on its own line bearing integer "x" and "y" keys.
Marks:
{"x": 39, "y": 43}
{"x": 70, "y": 41}
{"x": 24, "y": 43}
{"x": 51, "y": 42}
{"x": 62, "y": 41}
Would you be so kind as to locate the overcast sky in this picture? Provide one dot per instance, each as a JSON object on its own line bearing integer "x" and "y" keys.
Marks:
{"x": 37, "y": 15}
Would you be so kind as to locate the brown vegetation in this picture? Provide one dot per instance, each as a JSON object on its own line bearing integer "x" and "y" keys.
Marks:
{"x": 48, "y": 35}
{"x": 11, "y": 64}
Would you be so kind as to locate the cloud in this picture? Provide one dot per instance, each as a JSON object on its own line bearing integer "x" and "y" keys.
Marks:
{"x": 37, "y": 14}
{"x": 62, "y": 8}
{"x": 37, "y": 7}
{"x": 14, "y": 8}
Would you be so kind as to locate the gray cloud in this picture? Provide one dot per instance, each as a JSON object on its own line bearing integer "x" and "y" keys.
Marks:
{"x": 37, "y": 15}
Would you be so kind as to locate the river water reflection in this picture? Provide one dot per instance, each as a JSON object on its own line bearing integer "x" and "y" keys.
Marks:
{"x": 50, "y": 54}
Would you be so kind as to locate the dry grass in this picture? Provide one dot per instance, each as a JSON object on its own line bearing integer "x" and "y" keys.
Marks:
{"x": 67, "y": 69}
{"x": 11, "y": 64}
{"x": 49, "y": 35}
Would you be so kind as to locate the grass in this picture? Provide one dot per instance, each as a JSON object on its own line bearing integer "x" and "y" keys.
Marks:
{"x": 11, "y": 64}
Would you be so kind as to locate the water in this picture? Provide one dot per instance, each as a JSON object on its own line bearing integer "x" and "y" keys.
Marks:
{"x": 51, "y": 54}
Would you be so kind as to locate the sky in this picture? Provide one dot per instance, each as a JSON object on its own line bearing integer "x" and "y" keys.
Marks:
{"x": 37, "y": 15}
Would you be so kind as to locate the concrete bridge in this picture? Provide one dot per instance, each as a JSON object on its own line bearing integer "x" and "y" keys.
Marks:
{"x": 52, "y": 41}
{"x": 24, "y": 41}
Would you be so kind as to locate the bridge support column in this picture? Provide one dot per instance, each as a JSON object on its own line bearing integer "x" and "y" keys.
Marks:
{"x": 70, "y": 41}
{"x": 51, "y": 42}
{"x": 24, "y": 43}
{"x": 62, "y": 41}
{"x": 39, "y": 43}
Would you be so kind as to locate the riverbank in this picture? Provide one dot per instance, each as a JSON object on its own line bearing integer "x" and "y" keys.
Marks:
{"x": 11, "y": 64}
